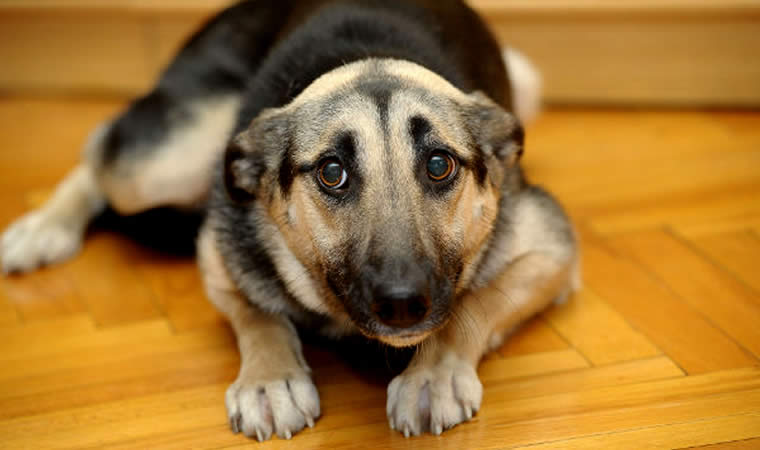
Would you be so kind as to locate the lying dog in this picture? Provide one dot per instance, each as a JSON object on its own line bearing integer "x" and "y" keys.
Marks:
{"x": 360, "y": 171}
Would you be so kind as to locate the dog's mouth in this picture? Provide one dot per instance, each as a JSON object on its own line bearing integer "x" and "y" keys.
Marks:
{"x": 404, "y": 340}
{"x": 372, "y": 327}
{"x": 395, "y": 339}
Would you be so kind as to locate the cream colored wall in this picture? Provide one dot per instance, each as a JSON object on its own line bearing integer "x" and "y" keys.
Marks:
{"x": 670, "y": 52}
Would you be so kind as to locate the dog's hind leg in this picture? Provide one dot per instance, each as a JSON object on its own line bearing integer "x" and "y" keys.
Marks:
{"x": 157, "y": 154}
{"x": 54, "y": 232}
{"x": 160, "y": 151}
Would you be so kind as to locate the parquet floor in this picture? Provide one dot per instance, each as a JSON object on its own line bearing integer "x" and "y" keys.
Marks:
{"x": 119, "y": 348}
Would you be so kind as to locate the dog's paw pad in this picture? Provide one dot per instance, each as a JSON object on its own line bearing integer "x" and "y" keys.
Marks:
{"x": 36, "y": 239}
{"x": 284, "y": 407}
{"x": 434, "y": 398}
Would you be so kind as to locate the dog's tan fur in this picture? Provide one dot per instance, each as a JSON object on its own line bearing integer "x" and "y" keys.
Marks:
{"x": 533, "y": 266}
{"x": 509, "y": 270}
{"x": 311, "y": 229}
{"x": 280, "y": 373}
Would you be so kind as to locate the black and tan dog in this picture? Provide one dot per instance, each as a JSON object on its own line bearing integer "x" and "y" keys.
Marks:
{"x": 359, "y": 166}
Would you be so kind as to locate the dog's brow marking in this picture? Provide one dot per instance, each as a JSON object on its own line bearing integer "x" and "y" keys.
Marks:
{"x": 379, "y": 91}
{"x": 409, "y": 104}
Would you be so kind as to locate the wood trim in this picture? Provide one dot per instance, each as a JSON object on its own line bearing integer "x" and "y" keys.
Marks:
{"x": 544, "y": 7}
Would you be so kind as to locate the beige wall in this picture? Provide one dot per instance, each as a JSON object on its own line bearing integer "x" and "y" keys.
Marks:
{"x": 670, "y": 52}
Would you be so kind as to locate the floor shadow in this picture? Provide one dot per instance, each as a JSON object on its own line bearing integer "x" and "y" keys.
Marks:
{"x": 164, "y": 230}
{"x": 376, "y": 363}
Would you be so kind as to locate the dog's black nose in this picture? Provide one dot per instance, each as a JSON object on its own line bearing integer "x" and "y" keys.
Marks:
{"x": 400, "y": 308}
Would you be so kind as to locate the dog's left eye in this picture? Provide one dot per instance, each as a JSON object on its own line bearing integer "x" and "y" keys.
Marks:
{"x": 332, "y": 174}
{"x": 440, "y": 166}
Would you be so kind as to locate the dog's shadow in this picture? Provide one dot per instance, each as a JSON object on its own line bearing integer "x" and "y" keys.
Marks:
{"x": 164, "y": 230}
{"x": 373, "y": 362}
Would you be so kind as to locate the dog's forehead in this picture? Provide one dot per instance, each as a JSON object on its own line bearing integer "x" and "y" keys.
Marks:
{"x": 375, "y": 100}
{"x": 404, "y": 73}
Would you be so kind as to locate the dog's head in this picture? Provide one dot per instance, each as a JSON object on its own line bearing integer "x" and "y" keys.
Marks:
{"x": 384, "y": 181}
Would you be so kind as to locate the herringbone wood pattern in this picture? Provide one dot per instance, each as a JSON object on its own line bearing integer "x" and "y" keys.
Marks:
{"x": 119, "y": 347}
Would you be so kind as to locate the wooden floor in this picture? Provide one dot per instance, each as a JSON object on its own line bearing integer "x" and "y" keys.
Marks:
{"x": 119, "y": 348}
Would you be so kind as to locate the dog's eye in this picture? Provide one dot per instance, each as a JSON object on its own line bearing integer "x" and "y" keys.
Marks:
{"x": 332, "y": 175}
{"x": 440, "y": 166}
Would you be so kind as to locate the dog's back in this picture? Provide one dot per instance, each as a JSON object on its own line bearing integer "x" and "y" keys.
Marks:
{"x": 272, "y": 50}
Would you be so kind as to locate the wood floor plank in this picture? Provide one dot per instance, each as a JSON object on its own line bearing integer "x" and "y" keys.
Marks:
{"x": 738, "y": 252}
{"x": 44, "y": 294}
{"x": 674, "y": 389}
{"x": 590, "y": 378}
{"x": 124, "y": 379}
{"x": 182, "y": 411}
{"x": 176, "y": 286}
{"x": 664, "y": 437}
{"x": 684, "y": 211}
{"x": 112, "y": 345}
{"x": 744, "y": 444}
{"x": 532, "y": 364}
{"x": 39, "y": 160}
{"x": 486, "y": 431}
{"x": 688, "y": 186}
{"x": 108, "y": 256}
{"x": 94, "y": 365}
{"x": 713, "y": 292}
{"x": 613, "y": 339}
{"x": 8, "y": 312}
{"x": 533, "y": 337}
{"x": 682, "y": 333}
{"x": 42, "y": 332}
{"x": 48, "y": 343}
{"x": 121, "y": 349}
{"x": 729, "y": 224}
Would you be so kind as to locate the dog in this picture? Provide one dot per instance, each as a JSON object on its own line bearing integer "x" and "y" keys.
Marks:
{"x": 358, "y": 163}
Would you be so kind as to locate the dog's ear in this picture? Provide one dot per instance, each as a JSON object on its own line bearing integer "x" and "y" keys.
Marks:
{"x": 253, "y": 153}
{"x": 495, "y": 131}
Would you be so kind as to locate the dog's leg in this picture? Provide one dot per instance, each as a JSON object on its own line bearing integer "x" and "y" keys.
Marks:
{"x": 273, "y": 391}
{"x": 54, "y": 232}
{"x": 160, "y": 151}
{"x": 131, "y": 167}
{"x": 440, "y": 388}
{"x": 170, "y": 166}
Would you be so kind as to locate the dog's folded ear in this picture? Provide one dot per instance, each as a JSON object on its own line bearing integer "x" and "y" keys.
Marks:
{"x": 253, "y": 153}
{"x": 495, "y": 131}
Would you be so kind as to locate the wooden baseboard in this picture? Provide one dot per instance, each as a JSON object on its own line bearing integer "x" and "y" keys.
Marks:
{"x": 626, "y": 52}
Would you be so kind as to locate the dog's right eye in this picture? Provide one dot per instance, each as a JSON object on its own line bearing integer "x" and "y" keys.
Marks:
{"x": 440, "y": 166}
{"x": 332, "y": 175}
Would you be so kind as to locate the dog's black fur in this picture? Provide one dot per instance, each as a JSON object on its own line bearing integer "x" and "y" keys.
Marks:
{"x": 270, "y": 50}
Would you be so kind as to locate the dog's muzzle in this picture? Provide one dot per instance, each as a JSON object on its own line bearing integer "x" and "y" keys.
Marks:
{"x": 400, "y": 306}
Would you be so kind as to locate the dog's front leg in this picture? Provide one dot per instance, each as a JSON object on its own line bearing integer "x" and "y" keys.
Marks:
{"x": 440, "y": 388}
{"x": 273, "y": 391}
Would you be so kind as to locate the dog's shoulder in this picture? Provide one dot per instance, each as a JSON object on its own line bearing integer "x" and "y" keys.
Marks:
{"x": 530, "y": 220}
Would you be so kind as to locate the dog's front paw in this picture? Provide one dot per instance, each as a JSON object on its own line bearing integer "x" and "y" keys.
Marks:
{"x": 36, "y": 239}
{"x": 434, "y": 398}
{"x": 259, "y": 407}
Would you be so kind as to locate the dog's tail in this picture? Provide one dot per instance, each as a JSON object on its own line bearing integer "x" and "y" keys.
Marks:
{"x": 525, "y": 81}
